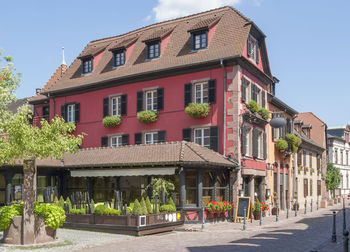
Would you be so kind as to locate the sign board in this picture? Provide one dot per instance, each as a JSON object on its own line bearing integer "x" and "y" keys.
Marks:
{"x": 243, "y": 203}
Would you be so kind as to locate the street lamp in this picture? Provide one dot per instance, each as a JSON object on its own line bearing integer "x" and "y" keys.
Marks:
{"x": 278, "y": 120}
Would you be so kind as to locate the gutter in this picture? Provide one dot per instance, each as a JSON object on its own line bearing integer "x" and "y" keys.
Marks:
{"x": 225, "y": 76}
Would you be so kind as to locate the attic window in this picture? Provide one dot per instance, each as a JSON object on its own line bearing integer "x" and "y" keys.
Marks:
{"x": 119, "y": 57}
{"x": 253, "y": 49}
{"x": 199, "y": 40}
{"x": 153, "y": 49}
{"x": 87, "y": 65}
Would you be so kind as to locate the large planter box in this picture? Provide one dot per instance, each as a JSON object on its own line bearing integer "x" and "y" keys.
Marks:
{"x": 42, "y": 234}
{"x": 274, "y": 211}
{"x": 125, "y": 224}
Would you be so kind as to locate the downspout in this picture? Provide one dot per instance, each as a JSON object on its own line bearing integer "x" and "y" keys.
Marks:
{"x": 223, "y": 67}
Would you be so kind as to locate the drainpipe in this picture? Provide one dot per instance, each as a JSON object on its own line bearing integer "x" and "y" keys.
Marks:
{"x": 294, "y": 163}
{"x": 223, "y": 67}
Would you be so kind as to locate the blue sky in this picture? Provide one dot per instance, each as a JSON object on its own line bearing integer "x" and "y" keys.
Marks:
{"x": 307, "y": 41}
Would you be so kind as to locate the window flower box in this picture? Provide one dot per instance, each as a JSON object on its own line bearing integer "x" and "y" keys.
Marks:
{"x": 112, "y": 121}
{"x": 197, "y": 110}
{"x": 282, "y": 145}
{"x": 147, "y": 116}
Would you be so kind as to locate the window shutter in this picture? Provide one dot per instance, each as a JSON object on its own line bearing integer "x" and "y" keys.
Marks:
{"x": 257, "y": 52}
{"x": 63, "y": 112}
{"x": 139, "y": 101}
{"x": 124, "y": 99}
{"x": 263, "y": 102}
{"x": 264, "y": 146}
{"x": 289, "y": 126}
{"x": 255, "y": 143}
{"x": 104, "y": 141}
{"x": 160, "y": 98}
{"x": 186, "y": 134}
{"x": 299, "y": 158}
{"x": 212, "y": 91}
{"x": 283, "y": 132}
{"x": 105, "y": 107}
{"x": 138, "y": 138}
{"x": 125, "y": 139}
{"x": 77, "y": 112}
{"x": 243, "y": 141}
{"x": 252, "y": 91}
{"x": 214, "y": 138}
{"x": 249, "y": 46}
{"x": 188, "y": 94}
{"x": 244, "y": 90}
{"x": 161, "y": 136}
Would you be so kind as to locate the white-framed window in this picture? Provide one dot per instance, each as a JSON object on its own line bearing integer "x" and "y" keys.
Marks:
{"x": 260, "y": 144}
{"x": 116, "y": 106}
{"x": 202, "y": 136}
{"x": 253, "y": 48}
{"x": 87, "y": 65}
{"x": 201, "y": 92}
{"x": 119, "y": 58}
{"x": 115, "y": 141}
{"x": 248, "y": 140}
{"x": 151, "y": 100}
{"x": 71, "y": 113}
{"x": 151, "y": 138}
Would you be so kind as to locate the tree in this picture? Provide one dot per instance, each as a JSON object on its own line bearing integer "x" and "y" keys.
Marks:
{"x": 333, "y": 177}
{"x": 22, "y": 141}
{"x": 160, "y": 184}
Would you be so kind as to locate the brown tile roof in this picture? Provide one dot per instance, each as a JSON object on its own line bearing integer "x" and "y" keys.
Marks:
{"x": 92, "y": 51}
{"x": 159, "y": 34}
{"x": 228, "y": 41}
{"x": 170, "y": 153}
{"x": 206, "y": 23}
{"x": 123, "y": 43}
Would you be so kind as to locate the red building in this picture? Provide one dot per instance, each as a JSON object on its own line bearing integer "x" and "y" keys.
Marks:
{"x": 217, "y": 57}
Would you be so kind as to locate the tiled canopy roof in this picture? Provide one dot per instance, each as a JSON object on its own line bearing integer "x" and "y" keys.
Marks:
{"x": 92, "y": 50}
{"x": 228, "y": 40}
{"x": 170, "y": 153}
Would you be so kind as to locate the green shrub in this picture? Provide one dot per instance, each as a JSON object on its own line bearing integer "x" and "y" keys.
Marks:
{"x": 253, "y": 106}
{"x": 7, "y": 213}
{"x": 92, "y": 205}
{"x": 171, "y": 202}
{"x": 61, "y": 202}
{"x": 137, "y": 208}
{"x": 128, "y": 210}
{"x": 54, "y": 215}
{"x": 282, "y": 144}
{"x": 167, "y": 208}
{"x": 78, "y": 211}
{"x": 149, "y": 206}
{"x": 100, "y": 209}
{"x": 55, "y": 201}
{"x": 111, "y": 211}
{"x": 69, "y": 203}
{"x": 264, "y": 113}
{"x": 147, "y": 116}
{"x": 112, "y": 121}
{"x": 198, "y": 110}
{"x": 143, "y": 207}
{"x": 294, "y": 141}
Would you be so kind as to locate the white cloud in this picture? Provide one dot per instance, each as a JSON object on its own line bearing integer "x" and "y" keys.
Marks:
{"x": 169, "y": 9}
{"x": 148, "y": 18}
{"x": 257, "y": 3}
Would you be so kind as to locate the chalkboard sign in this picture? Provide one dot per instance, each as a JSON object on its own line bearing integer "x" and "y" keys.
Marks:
{"x": 243, "y": 203}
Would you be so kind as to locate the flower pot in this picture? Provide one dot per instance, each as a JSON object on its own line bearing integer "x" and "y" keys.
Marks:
{"x": 256, "y": 215}
{"x": 294, "y": 207}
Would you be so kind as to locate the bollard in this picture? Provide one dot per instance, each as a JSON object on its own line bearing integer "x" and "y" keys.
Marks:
{"x": 287, "y": 212}
{"x": 346, "y": 240}
{"x": 317, "y": 205}
{"x": 260, "y": 222}
{"x": 305, "y": 207}
{"x": 296, "y": 210}
{"x": 334, "y": 235}
{"x": 344, "y": 219}
{"x": 244, "y": 219}
{"x": 203, "y": 219}
{"x": 277, "y": 210}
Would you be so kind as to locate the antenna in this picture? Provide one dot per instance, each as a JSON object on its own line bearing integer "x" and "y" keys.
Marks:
{"x": 63, "y": 60}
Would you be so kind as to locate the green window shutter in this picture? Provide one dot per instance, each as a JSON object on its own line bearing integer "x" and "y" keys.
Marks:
{"x": 214, "y": 138}
{"x": 212, "y": 91}
{"x": 138, "y": 138}
{"x": 105, "y": 107}
{"x": 125, "y": 139}
{"x": 186, "y": 134}
{"x": 243, "y": 141}
{"x": 104, "y": 141}
{"x": 244, "y": 90}
{"x": 188, "y": 93}
{"x": 255, "y": 143}
{"x": 264, "y": 146}
{"x": 77, "y": 112}
{"x": 160, "y": 98}
{"x": 263, "y": 101}
{"x": 139, "y": 101}
{"x": 124, "y": 99}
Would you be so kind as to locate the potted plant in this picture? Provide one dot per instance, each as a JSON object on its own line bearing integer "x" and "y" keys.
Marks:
{"x": 264, "y": 208}
{"x": 256, "y": 210}
{"x": 296, "y": 205}
{"x": 282, "y": 145}
{"x": 300, "y": 168}
{"x": 111, "y": 121}
{"x": 253, "y": 106}
{"x": 312, "y": 170}
{"x": 293, "y": 141}
{"x": 147, "y": 116}
{"x": 197, "y": 110}
{"x": 265, "y": 114}
{"x": 274, "y": 209}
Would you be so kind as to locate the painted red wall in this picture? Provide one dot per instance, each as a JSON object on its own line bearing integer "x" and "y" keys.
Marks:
{"x": 172, "y": 119}
{"x": 245, "y": 55}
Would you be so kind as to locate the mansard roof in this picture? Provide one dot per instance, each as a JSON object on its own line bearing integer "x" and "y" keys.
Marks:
{"x": 228, "y": 42}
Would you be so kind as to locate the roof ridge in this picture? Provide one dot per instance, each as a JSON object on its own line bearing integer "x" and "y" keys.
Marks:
{"x": 174, "y": 20}
{"x": 198, "y": 154}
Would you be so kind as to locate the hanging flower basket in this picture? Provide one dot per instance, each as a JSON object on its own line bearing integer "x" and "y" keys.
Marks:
{"x": 198, "y": 110}
{"x": 147, "y": 116}
{"x": 112, "y": 121}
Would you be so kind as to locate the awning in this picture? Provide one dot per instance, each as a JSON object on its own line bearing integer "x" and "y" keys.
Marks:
{"x": 123, "y": 172}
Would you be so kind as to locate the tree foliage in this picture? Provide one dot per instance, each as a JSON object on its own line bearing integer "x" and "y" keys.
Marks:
{"x": 158, "y": 184}
{"x": 333, "y": 177}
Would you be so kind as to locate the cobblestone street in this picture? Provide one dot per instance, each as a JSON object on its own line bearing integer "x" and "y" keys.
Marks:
{"x": 310, "y": 232}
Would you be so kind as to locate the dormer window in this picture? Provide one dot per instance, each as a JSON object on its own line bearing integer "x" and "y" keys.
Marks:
{"x": 153, "y": 49}
{"x": 119, "y": 57}
{"x": 199, "y": 40}
{"x": 253, "y": 49}
{"x": 87, "y": 65}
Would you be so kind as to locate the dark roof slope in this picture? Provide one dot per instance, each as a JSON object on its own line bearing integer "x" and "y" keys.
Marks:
{"x": 229, "y": 39}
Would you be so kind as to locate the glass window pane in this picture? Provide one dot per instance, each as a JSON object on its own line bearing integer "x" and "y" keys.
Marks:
{"x": 191, "y": 179}
{"x": 42, "y": 182}
{"x": 221, "y": 180}
{"x": 17, "y": 179}
{"x": 208, "y": 179}
{"x": 220, "y": 194}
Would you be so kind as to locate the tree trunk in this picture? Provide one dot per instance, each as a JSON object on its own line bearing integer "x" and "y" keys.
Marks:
{"x": 29, "y": 197}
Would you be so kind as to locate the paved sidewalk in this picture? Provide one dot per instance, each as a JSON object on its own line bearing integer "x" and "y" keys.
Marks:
{"x": 310, "y": 232}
